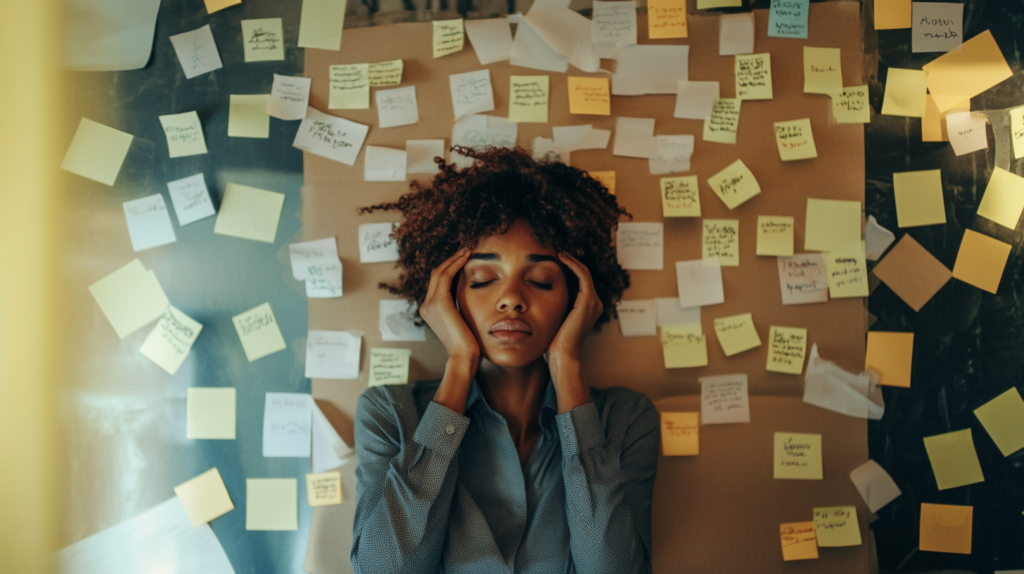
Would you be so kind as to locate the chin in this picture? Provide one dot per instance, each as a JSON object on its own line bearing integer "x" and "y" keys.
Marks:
{"x": 512, "y": 358}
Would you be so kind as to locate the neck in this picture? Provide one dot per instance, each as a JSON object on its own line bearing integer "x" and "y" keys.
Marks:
{"x": 516, "y": 393}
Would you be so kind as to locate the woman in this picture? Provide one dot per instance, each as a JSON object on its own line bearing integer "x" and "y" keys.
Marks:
{"x": 510, "y": 463}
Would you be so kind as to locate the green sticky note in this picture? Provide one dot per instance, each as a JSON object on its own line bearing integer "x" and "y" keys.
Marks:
{"x": 837, "y": 526}
{"x": 528, "y": 99}
{"x": 954, "y": 460}
{"x": 798, "y": 456}
{"x": 389, "y": 366}
{"x": 1003, "y": 419}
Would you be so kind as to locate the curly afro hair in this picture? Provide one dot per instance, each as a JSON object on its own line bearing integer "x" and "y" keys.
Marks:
{"x": 566, "y": 208}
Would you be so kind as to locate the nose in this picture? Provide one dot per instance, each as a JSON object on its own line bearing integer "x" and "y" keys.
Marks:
{"x": 511, "y": 299}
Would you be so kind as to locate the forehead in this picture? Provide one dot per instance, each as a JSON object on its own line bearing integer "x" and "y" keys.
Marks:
{"x": 519, "y": 241}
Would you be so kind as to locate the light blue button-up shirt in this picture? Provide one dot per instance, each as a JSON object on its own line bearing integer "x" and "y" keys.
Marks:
{"x": 442, "y": 492}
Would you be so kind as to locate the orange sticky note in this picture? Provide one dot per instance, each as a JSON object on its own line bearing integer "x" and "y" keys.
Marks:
{"x": 799, "y": 541}
{"x": 946, "y": 528}
{"x": 890, "y": 355}
{"x": 680, "y": 434}
{"x": 215, "y": 5}
{"x": 607, "y": 179}
{"x": 980, "y": 261}
{"x": 933, "y": 123}
{"x": 962, "y": 73}
{"x": 892, "y": 14}
{"x": 589, "y": 96}
{"x": 666, "y": 19}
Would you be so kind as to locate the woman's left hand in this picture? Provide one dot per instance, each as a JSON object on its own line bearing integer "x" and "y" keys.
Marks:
{"x": 588, "y": 307}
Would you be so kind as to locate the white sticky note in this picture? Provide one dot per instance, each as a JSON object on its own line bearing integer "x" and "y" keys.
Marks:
{"x": 614, "y": 23}
{"x": 491, "y": 39}
{"x": 149, "y": 223}
{"x": 197, "y": 52}
{"x": 184, "y": 134}
{"x": 966, "y": 132}
{"x": 321, "y": 23}
{"x": 575, "y": 138}
{"x": 875, "y": 485}
{"x": 936, "y": 26}
{"x": 803, "y": 279}
{"x": 333, "y": 354}
{"x": 249, "y": 213}
{"x": 271, "y": 504}
{"x": 397, "y": 107}
{"x": 210, "y": 413}
{"x": 637, "y": 318}
{"x": 671, "y": 313}
{"x": 289, "y": 97}
{"x": 700, "y": 282}
{"x": 376, "y": 244}
{"x": 384, "y": 164}
{"x": 736, "y": 34}
{"x": 397, "y": 321}
{"x": 258, "y": 331}
{"x": 472, "y": 93}
{"x": 328, "y": 284}
{"x": 420, "y": 155}
{"x": 634, "y": 137}
{"x": 247, "y": 116}
{"x": 287, "y": 425}
{"x": 672, "y": 154}
{"x": 308, "y": 257}
{"x": 724, "y": 400}
{"x": 190, "y": 198}
{"x": 650, "y": 69}
{"x": 130, "y": 298}
{"x": 640, "y": 245}
{"x": 330, "y": 136}
{"x": 694, "y": 100}
{"x": 262, "y": 39}
{"x": 96, "y": 151}
{"x": 171, "y": 340}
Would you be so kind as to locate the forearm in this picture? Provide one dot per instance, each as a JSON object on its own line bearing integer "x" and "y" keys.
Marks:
{"x": 570, "y": 386}
{"x": 454, "y": 388}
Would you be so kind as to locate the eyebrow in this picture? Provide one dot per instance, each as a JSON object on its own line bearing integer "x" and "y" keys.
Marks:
{"x": 531, "y": 258}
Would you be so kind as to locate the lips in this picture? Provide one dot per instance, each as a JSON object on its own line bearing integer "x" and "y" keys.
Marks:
{"x": 511, "y": 330}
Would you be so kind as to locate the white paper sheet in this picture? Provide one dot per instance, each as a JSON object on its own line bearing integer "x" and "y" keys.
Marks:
{"x": 634, "y": 137}
{"x": 936, "y": 26}
{"x": 329, "y": 451}
{"x": 875, "y": 485}
{"x": 327, "y": 286}
{"x": 670, "y": 313}
{"x": 545, "y": 150}
{"x": 108, "y": 35}
{"x": 420, "y": 155}
{"x": 736, "y": 34}
{"x": 375, "y": 245}
{"x": 529, "y": 50}
{"x": 575, "y": 138}
{"x": 672, "y": 154}
{"x": 650, "y": 69}
{"x": 396, "y": 321}
{"x": 317, "y": 263}
{"x": 190, "y": 198}
{"x": 481, "y": 131}
{"x": 828, "y": 386}
{"x": 700, "y": 282}
{"x": 333, "y": 354}
{"x": 640, "y": 245}
{"x": 289, "y": 97}
{"x": 966, "y": 132}
{"x": 694, "y": 100}
{"x": 197, "y": 52}
{"x": 803, "y": 279}
{"x": 491, "y": 39}
{"x": 149, "y": 223}
{"x": 724, "y": 400}
{"x": 876, "y": 239}
{"x": 162, "y": 539}
{"x": 397, "y": 107}
{"x": 614, "y": 23}
{"x": 329, "y": 136}
{"x": 637, "y": 318}
{"x": 384, "y": 164}
{"x": 287, "y": 425}
{"x": 563, "y": 30}
{"x": 472, "y": 93}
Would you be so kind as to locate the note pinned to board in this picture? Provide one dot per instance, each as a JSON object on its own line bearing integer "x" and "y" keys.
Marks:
{"x": 966, "y": 131}
{"x": 709, "y": 4}
{"x": 330, "y": 136}
{"x": 448, "y": 37}
{"x": 210, "y": 413}
{"x": 333, "y": 354}
{"x": 680, "y": 196}
{"x": 389, "y": 366}
{"x": 670, "y": 313}
{"x": 823, "y": 70}
{"x": 397, "y": 321}
{"x": 491, "y": 39}
{"x": 735, "y": 33}
{"x": 797, "y": 456}
{"x": 397, "y": 107}
{"x": 376, "y": 244}
{"x": 384, "y": 164}
{"x": 420, "y": 155}
{"x": 832, "y": 225}
{"x": 640, "y": 245}
{"x": 919, "y": 199}
{"x": 981, "y": 260}
{"x": 699, "y": 282}
{"x": 271, "y": 504}
{"x": 247, "y": 116}
{"x": 753, "y": 77}
{"x": 735, "y": 184}
{"x": 970, "y": 69}
{"x": 795, "y": 140}
{"x": 912, "y": 273}
{"x": 672, "y": 155}
{"x": 650, "y": 69}
{"x": 349, "y": 87}
{"x": 936, "y": 26}
{"x": 684, "y": 346}
{"x": 724, "y": 399}
{"x": 803, "y": 279}
{"x": 721, "y": 239}
{"x": 204, "y": 497}
{"x": 263, "y": 40}
{"x": 605, "y": 178}
{"x": 847, "y": 274}
{"x": 383, "y": 74}
{"x": 837, "y": 526}
{"x": 680, "y": 434}
{"x": 637, "y": 318}
{"x": 589, "y": 96}
{"x": 774, "y": 236}
{"x": 1017, "y": 131}
{"x": 666, "y": 19}
{"x": 197, "y": 52}
{"x": 528, "y": 99}
{"x": 323, "y": 489}
{"x": 737, "y": 334}
{"x": 851, "y": 105}
{"x": 317, "y": 263}
{"x": 321, "y": 23}
{"x": 614, "y": 23}
{"x": 634, "y": 137}
{"x": 798, "y": 541}
{"x": 892, "y": 14}
{"x": 287, "y": 425}
{"x": 170, "y": 341}
{"x": 695, "y": 100}
{"x": 130, "y": 298}
{"x": 97, "y": 151}
{"x": 787, "y": 347}
{"x": 724, "y": 122}
{"x": 149, "y": 223}
{"x": 933, "y": 123}
{"x": 1003, "y": 419}
{"x": 875, "y": 485}
{"x": 249, "y": 213}
{"x": 1003, "y": 201}
{"x": 289, "y": 97}
{"x": 905, "y": 93}
{"x": 184, "y": 134}
{"x": 946, "y": 528}
{"x": 218, "y": 5}
{"x": 890, "y": 354}
{"x": 788, "y": 18}
{"x": 832, "y": 388}
{"x": 472, "y": 93}
{"x": 258, "y": 331}
{"x": 954, "y": 460}
{"x": 191, "y": 199}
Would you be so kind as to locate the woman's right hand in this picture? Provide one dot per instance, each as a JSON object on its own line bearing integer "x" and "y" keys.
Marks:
{"x": 439, "y": 311}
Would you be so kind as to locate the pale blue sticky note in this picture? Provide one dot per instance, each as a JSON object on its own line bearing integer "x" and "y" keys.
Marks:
{"x": 788, "y": 18}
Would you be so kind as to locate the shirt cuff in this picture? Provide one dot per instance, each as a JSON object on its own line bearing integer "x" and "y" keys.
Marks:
{"x": 441, "y": 429}
{"x": 580, "y": 429}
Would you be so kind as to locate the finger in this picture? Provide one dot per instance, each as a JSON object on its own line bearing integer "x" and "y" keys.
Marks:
{"x": 441, "y": 276}
{"x": 581, "y": 271}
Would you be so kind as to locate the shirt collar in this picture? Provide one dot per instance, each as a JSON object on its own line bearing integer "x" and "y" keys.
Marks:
{"x": 550, "y": 398}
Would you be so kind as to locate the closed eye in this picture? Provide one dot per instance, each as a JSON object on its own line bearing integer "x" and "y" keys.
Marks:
{"x": 545, "y": 286}
{"x": 481, "y": 284}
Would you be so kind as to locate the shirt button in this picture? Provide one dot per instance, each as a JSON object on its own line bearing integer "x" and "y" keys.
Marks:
{"x": 449, "y": 429}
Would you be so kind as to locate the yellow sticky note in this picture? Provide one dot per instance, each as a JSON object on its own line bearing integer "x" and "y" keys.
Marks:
{"x": 680, "y": 196}
{"x": 1004, "y": 198}
{"x": 798, "y": 456}
{"x": 349, "y": 87}
{"x": 795, "y": 140}
{"x": 389, "y": 366}
{"x": 919, "y": 198}
{"x": 684, "y": 346}
{"x": 905, "y": 93}
{"x": 890, "y": 355}
{"x": 680, "y": 434}
{"x": 724, "y": 122}
{"x": 962, "y": 73}
{"x": 248, "y": 117}
{"x": 321, "y": 23}
{"x": 386, "y": 73}
{"x": 528, "y": 99}
{"x": 607, "y": 179}
{"x": 249, "y": 213}
{"x": 787, "y": 347}
{"x": 323, "y": 489}
{"x": 832, "y": 225}
{"x": 721, "y": 239}
{"x": 774, "y": 236}
{"x": 933, "y": 123}
{"x": 892, "y": 14}
{"x": 263, "y": 40}
{"x": 1017, "y": 131}
{"x": 946, "y": 528}
{"x": 981, "y": 260}
{"x": 130, "y": 298}
{"x": 737, "y": 333}
{"x": 1003, "y": 419}
{"x": 851, "y": 106}
{"x": 823, "y": 71}
{"x": 204, "y": 497}
{"x": 258, "y": 331}
{"x": 735, "y": 184}
{"x": 589, "y": 96}
{"x": 449, "y": 36}
{"x": 666, "y": 19}
{"x": 798, "y": 541}
{"x": 708, "y": 4}
{"x": 184, "y": 134}
{"x": 753, "y": 76}
{"x": 837, "y": 526}
{"x": 847, "y": 274}
{"x": 215, "y": 5}
{"x": 954, "y": 460}
{"x": 271, "y": 504}
{"x": 97, "y": 151}
{"x": 170, "y": 341}
{"x": 210, "y": 413}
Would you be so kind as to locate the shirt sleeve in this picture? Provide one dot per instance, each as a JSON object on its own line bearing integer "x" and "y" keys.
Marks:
{"x": 609, "y": 485}
{"x": 403, "y": 487}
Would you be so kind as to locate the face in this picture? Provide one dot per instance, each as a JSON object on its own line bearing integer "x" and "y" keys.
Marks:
{"x": 513, "y": 295}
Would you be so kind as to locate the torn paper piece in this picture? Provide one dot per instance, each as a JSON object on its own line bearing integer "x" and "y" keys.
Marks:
{"x": 876, "y": 239}
{"x": 875, "y": 485}
{"x": 491, "y": 39}
{"x": 397, "y": 321}
{"x": 529, "y": 50}
{"x": 634, "y": 137}
{"x": 575, "y": 138}
{"x": 828, "y": 386}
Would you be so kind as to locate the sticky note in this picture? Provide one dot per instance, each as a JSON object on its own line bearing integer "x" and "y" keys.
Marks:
{"x": 384, "y": 164}
{"x": 680, "y": 196}
{"x": 960, "y": 74}
{"x": 321, "y": 23}
{"x": 980, "y": 261}
{"x": 1004, "y": 198}
{"x": 184, "y": 134}
{"x": 823, "y": 72}
{"x": 349, "y": 87}
{"x": 837, "y": 526}
{"x": 249, "y": 213}
{"x": 709, "y": 4}
{"x": 954, "y": 460}
{"x": 933, "y": 123}
{"x": 831, "y": 225}
{"x": 737, "y": 334}
{"x": 684, "y": 346}
{"x": 847, "y": 274}
{"x": 215, "y": 5}
{"x": 795, "y": 140}
{"x": 376, "y": 244}
{"x": 640, "y": 245}
{"x": 614, "y": 23}
{"x": 753, "y": 77}
{"x": 448, "y": 37}
{"x": 247, "y": 116}
{"x": 130, "y": 298}
{"x": 607, "y": 179}
{"x": 724, "y": 399}
{"x": 735, "y": 33}
{"x": 680, "y": 434}
{"x": 919, "y": 198}
{"x": 1003, "y": 419}
{"x": 890, "y": 355}
{"x": 329, "y": 136}
{"x": 672, "y": 155}
{"x": 528, "y": 99}
{"x": 389, "y": 366}
{"x": 797, "y": 456}
{"x": 851, "y": 105}
{"x": 892, "y": 14}
{"x": 289, "y": 97}
{"x": 904, "y": 93}
{"x": 721, "y": 127}
{"x": 472, "y": 93}
{"x": 210, "y": 413}
{"x": 204, "y": 497}
{"x": 787, "y": 347}
{"x": 589, "y": 96}
{"x": 788, "y": 18}
{"x": 637, "y": 318}
{"x": 695, "y": 100}
{"x": 699, "y": 282}
{"x": 721, "y": 239}
{"x": 149, "y": 223}
{"x": 271, "y": 504}
{"x": 634, "y": 137}
{"x": 263, "y": 39}
{"x": 323, "y": 489}
{"x": 798, "y": 541}
{"x": 946, "y": 528}
{"x": 966, "y": 131}
{"x": 875, "y": 485}
{"x": 287, "y": 425}
{"x": 774, "y": 236}
{"x": 333, "y": 354}
{"x": 735, "y": 184}
{"x": 258, "y": 331}
{"x": 96, "y": 152}
{"x": 666, "y": 19}
{"x": 197, "y": 52}
{"x": 171, "y": 340}
{"x": 936, "y": 26}
{"x": 802, "y": 279}
{"x": 912, "y": 272}
{"x": 387, "y": 73}
{"x": 1017, "y": 131}
{"x": 191, "y": 199}
{"x": 420, "y": 155}
{"x": 397, "y": 107}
